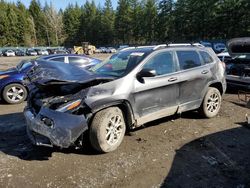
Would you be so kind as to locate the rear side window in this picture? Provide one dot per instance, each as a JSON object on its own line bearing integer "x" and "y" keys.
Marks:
{"x": 188, "y": 59}
{"x": 78, "y": 61}
{"x": 59, "y": 59}
{"x": 206, "y": 57}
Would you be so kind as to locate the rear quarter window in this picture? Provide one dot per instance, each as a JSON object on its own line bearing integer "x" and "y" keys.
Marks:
{"x": 188, "y": 59}
{"x": 206, "y": 57}
{"x": 58, "y": 59}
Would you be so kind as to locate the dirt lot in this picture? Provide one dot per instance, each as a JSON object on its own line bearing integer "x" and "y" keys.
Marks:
{"x": 184, "y": 151}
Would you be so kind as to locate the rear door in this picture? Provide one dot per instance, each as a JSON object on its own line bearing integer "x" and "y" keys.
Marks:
{"x": 195, "y": 74}
{"x": 156, "y": 97}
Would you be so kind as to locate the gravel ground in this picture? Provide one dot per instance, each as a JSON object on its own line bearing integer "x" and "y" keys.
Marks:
{"x": 178, "y": 151}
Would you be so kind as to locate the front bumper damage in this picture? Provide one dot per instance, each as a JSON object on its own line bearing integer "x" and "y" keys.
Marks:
{"x": 50, "y": 127}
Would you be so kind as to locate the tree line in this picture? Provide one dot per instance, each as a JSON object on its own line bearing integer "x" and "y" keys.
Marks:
{"x": 132, "y": 22}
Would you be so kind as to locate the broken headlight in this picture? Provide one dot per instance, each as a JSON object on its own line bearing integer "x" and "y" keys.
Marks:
{"x": 70, "y": 106}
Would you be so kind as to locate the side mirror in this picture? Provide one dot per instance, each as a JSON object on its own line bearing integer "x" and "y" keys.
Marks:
{"x": 146, "y": 73}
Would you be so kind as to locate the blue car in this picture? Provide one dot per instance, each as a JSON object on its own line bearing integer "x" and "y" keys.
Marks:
{"x": 12, "y": 89}
{"x": 81, "y": 61}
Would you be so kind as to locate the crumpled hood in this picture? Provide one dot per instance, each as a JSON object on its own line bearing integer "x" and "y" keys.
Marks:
{"x": 9, "y": 71}
{"x": 239, "y": 46}
{"x": 46, "y": 73}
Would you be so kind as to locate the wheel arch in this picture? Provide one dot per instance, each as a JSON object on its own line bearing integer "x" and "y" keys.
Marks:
{"x": 218, "y": 86}
{"x": 124, "y": 106}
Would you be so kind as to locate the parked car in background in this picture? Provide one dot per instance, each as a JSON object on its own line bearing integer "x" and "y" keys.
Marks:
{"x": 238, "y": 68}
{"x": 31, "y": 52}
{"x": 42, "y": 52}
{"x": 1, "y": 53}
{"x": 82, "y": 61}
{"x": 224, "y": 56}
{"x": 51, "y": 51}
{"x": 98, "y": 50}
{"x": 12, "y": 89}
{"x": 110, "y": 50}
{"x": 9, "y": 53}
{"x": 60, "y": 51}
{"x": 127, "y": 90}
{"x": 38, "y": 51}
{"x": 19, "y": 52}
{"x": 219, "y": 47}
{"x": 206, "y": 44}
{"x": 103, "y": 49}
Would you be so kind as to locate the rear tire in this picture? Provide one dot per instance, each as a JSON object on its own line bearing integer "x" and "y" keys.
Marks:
{"x": 107, "y": 130}
{"x": 14, "y": 93}
{"x": 211, "y": 103}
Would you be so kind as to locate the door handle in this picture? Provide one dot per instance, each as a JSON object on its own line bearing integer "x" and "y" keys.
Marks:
{"x": 172, "y": 79}
{"x": 205, "y": 72}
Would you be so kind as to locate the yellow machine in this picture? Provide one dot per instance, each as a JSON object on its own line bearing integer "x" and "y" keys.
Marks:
{"x": 86, "y": 48}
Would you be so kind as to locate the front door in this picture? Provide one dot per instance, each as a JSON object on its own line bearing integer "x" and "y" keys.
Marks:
{"x": 157, "y": 96}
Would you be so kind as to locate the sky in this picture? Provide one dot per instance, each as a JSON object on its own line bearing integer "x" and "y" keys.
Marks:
{"x": 63, "y": 3}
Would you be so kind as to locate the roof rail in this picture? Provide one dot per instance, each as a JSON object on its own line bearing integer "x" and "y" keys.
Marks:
{"x": 160, "y": 46}
{"x": 186, "y": 44}
{"x": 134, "y": 47}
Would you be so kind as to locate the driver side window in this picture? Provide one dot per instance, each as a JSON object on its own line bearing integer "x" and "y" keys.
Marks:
{"x": 162, "y": 63}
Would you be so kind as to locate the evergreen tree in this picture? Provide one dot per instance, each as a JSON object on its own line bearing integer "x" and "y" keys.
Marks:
{"x": 107, "y": 23}
{"x": 150, "y": 21}
{"x": 72, "y": 23}
{"x": 137, "y": 20}
{"x": 123, "y": 22}
{"x": 165, "y": 18}
{"x": 38, "y": 17}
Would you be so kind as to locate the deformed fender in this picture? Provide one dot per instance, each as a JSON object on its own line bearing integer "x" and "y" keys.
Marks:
{"x": 64, "y": 128}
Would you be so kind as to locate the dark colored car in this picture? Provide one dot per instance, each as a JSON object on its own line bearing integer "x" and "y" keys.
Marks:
{"x": 19, "y": 52}
{"x": 129, "y": 89}
{"x": 238, "y": 68}
{"x": 12, "y": 89}
{"x": 31, "y": 52}
{"x": 82, "y": 61}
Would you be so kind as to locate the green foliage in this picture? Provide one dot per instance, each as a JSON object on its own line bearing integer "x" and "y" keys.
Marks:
{"x": 133, "y": 22}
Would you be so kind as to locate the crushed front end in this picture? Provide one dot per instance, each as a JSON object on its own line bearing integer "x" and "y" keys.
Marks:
{"x": 56, "y": 113}
{"x": 55, "y": 120}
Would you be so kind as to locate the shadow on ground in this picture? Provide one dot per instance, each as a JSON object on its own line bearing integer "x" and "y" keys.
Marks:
{"x": 218, "y": 160}
{"x": 14, "y": 141}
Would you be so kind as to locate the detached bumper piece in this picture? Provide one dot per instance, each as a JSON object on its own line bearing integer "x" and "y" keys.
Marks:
{"x": 50, "y": 127}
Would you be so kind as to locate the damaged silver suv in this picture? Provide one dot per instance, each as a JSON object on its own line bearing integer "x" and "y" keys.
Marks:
{"x": 132, "y": 87}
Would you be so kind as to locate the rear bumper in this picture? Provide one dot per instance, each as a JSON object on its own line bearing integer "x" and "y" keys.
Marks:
{"x": 50, "y": 127}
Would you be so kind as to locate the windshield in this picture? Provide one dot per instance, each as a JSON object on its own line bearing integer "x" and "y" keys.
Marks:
{"x": 120, "y": 64}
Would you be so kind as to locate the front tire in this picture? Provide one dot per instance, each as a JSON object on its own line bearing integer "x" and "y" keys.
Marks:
{"x": 211, "y": 103}
{"x": 14, "y": 93}
{"x": 107, "y": 130}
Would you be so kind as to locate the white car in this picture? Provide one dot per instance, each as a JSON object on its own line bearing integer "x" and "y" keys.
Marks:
{"x": 10, "y": 53}
{"x": 103, "y": 49}
{"x": 31, "y": 52}
{"x": 44, "y": 52}
{"x": 110, "y": 50}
